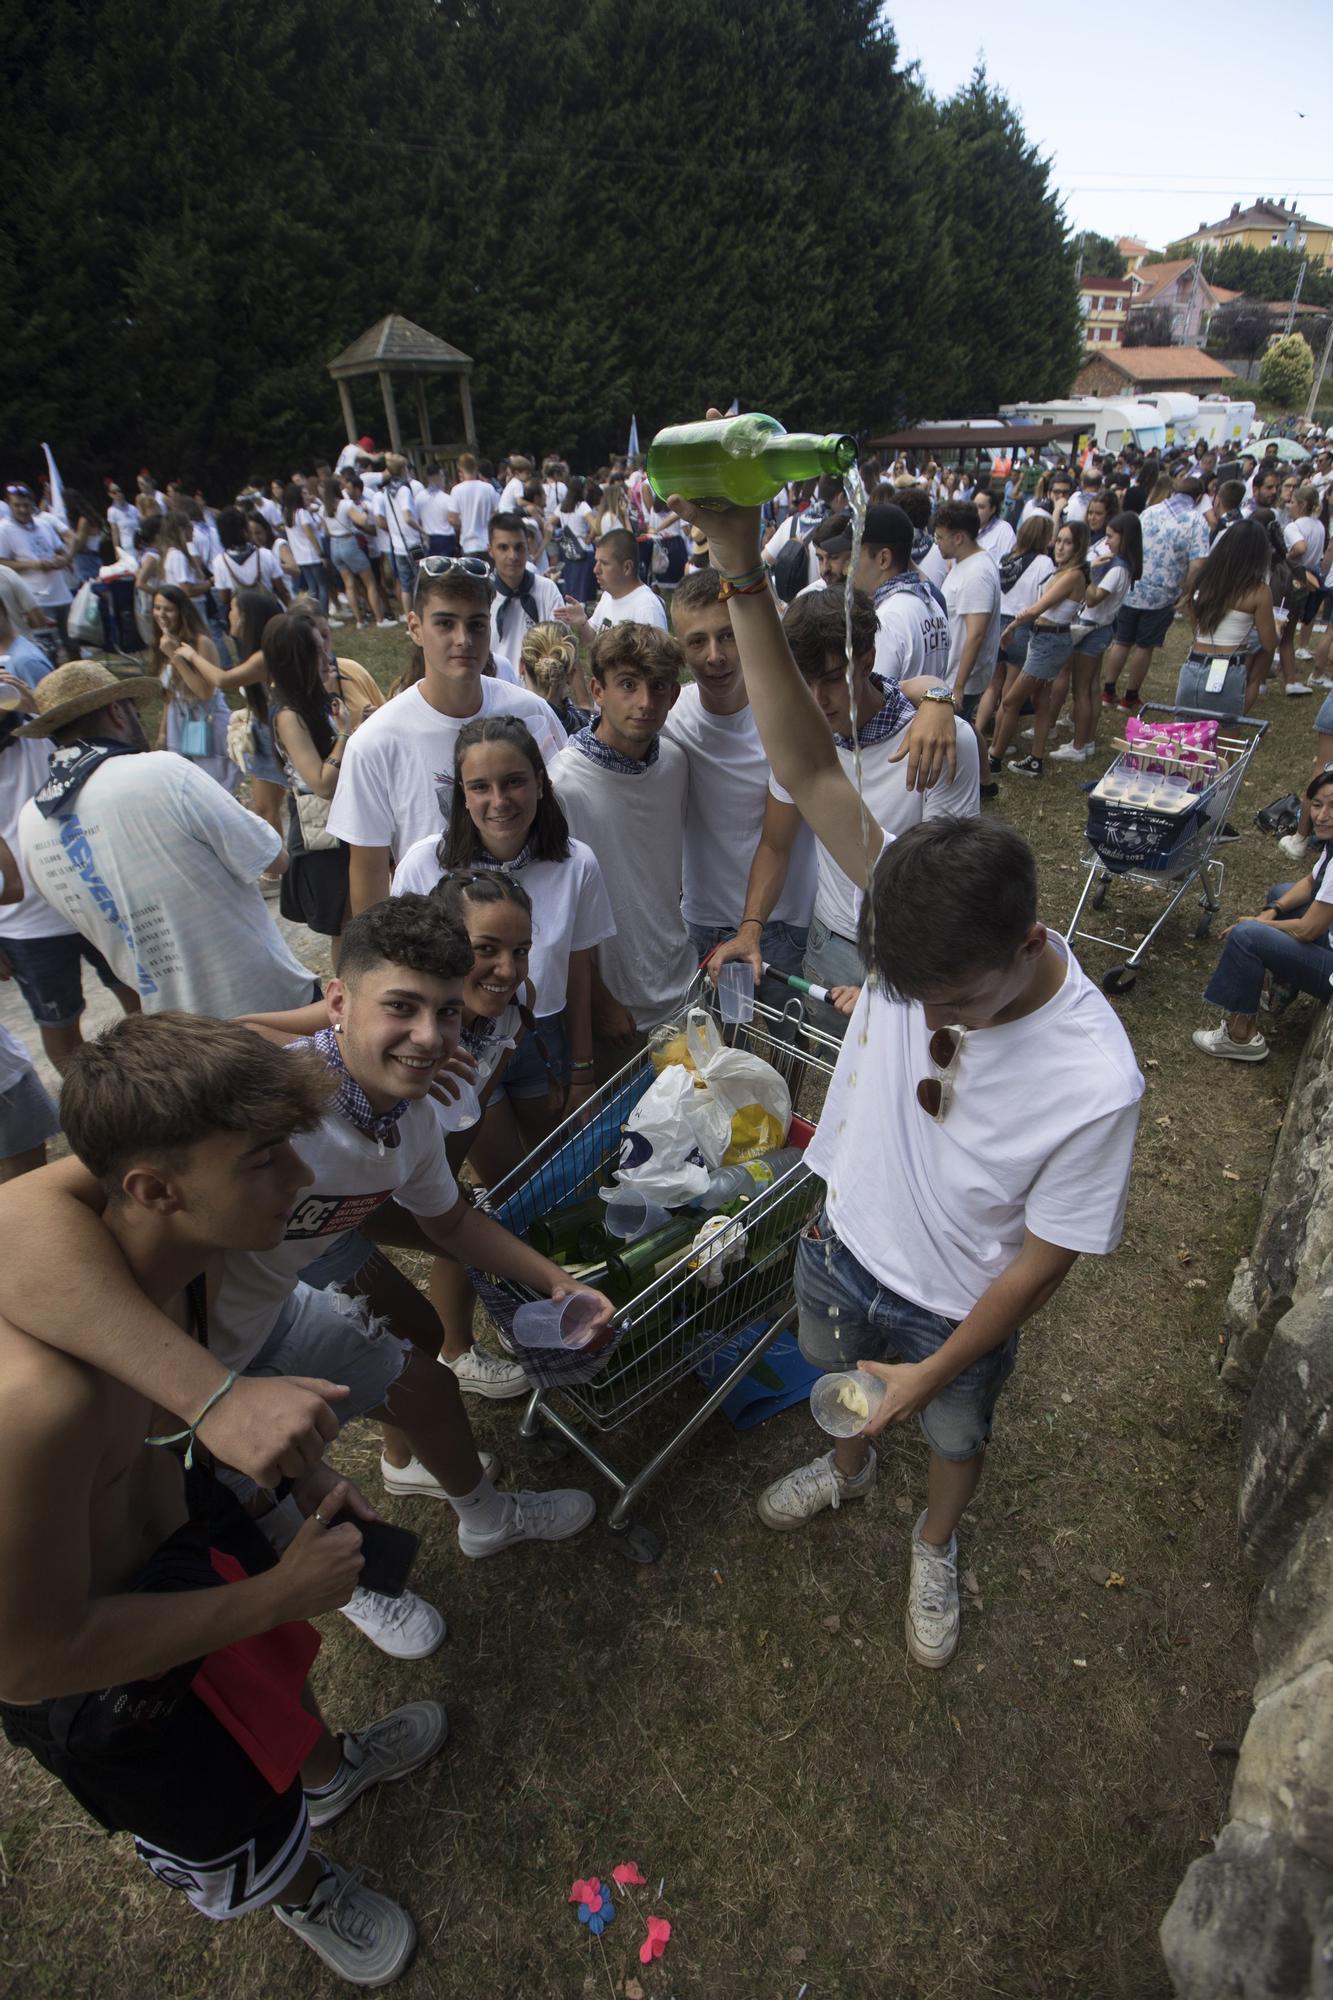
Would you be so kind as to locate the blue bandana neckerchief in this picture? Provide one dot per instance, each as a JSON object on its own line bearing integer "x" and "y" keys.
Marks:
{"x": 525, "y": 597}
{"x": 351, "y": 1102}
{"x": 592, "y": 747}
{"x": 886, "y": 721}
{"x": 511, "y": 867}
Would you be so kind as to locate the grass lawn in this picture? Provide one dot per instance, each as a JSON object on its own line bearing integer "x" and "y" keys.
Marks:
{"x": 740, "y": 1717}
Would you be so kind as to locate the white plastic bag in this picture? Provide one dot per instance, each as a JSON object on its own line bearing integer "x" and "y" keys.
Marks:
{"x": 674, "y": 1139}
{"x": 751, "y": 1092}
{"x": 85, "y": 617}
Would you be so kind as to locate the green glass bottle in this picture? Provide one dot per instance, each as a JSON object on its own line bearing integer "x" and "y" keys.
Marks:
{"x": 560, "y": 1232}
{"x": 636, "y": 1264}
{"x": 742, "y": 461}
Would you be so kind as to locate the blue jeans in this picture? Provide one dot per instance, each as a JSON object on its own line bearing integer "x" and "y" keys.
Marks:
{"x": 526, "y": 1074}
{"x": 1253, "y": 949}
{"x": 442, "y": 545}
{"x": 845, "y": 1315}
{"x": 831, "y": 959}
{"x": 317, "y": 584}
{"x": 780, "y": 945}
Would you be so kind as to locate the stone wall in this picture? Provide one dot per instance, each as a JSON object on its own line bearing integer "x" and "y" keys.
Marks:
{"x": 1253, "y": 1920}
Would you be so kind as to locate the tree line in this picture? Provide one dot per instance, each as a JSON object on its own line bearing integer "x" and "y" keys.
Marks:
{"x": 615, "y": 206}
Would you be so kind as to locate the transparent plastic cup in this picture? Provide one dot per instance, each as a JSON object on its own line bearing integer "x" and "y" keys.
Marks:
{"x": 556, "y": 1322}
{"x": 735, "y": 991}
{"x": 832, "y": 1415}
{"x": 630, "y": 1215}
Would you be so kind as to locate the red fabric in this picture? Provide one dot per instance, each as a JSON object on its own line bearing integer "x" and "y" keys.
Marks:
{"x": 253, "y": 1688}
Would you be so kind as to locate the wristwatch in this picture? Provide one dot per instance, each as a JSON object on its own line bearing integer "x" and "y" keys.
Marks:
{"x": 939, "y": 693}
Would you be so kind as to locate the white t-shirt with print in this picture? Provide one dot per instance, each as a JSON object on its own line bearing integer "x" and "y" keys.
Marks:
{"x": 728, "y": 792}
{"x": 912, "y": 636}
{"x": 571, "y": 911}
{"x": 973, "y": 585}
{"x": 635, "y": 824}
{"x": 893, "y": 808}
{"x": 641, "y": 606}
{"x": 354, "y": 1176}
{"x": 473, "y": 501}
{"x": 38, "y": 542}
{"x": 397, "y": 779}
{"x": 936, "y": 1209}
{"x": 158, "y": 866}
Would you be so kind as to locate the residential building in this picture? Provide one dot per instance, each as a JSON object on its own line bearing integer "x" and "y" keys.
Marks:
{"x": 1104, "y": 304}
{"x": 1132, "y": 251}
{"x": 1128, "y": 370}
{"x": 1268, "y": 225}
{"x": 1181, "y": 287}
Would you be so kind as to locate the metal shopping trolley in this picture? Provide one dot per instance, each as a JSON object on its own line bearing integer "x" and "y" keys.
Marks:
{"x": 677, "y": 1322}
{"x": 1154, "y": 818}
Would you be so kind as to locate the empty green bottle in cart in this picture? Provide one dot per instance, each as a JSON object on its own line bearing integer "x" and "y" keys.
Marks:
{"x": 741, "y": 461}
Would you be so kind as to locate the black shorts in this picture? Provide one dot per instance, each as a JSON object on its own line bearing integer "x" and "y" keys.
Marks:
{"x": 314, "y": 890}
{"x": 149, "y": 1759}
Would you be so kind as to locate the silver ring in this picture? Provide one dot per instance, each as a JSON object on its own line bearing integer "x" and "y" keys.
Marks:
{"x": 320, "y": 1518}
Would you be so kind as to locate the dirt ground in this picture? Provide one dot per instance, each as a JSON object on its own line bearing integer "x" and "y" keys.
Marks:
{"x": 816, "y": 1817}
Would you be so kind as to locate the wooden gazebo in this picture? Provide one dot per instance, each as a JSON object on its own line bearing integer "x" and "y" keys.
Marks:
{"x": 397, "y": 346}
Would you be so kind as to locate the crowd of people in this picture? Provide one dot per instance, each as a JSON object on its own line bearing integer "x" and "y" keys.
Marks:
{"x": 630, "y": 735}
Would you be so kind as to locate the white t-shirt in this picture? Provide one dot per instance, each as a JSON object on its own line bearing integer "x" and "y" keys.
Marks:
{"x": 397, "y": 779}
{"x": 571, "y": 911}
{"x": 157, "y": 865}
{"x": 271, "y": 512}
{"x": 728, "y": 791}
{"x": 38, "y": 542}
{"x": 579, "y": 523}
{"x": 511, "y": 499}
{"x": 398, "y": 510}
{"x": 126, "y": 521}
{"x": 259, "y": 570}
{"x": 303, "y": 537}
{"x": 354, "y": 1176}
{"x": 894, "y": 808}
{"x": 1115, "y": 580}
{"x": 973, "y": 585}
{"x": 996, "y": 538}
{"x": 24, "y": 762}
{"x": 635, "y": 824}
{"x": 473, "y": 501}
{"x": 1029, "y": 587}
{"x": 505, "y": 651}
{"x": 1310, "y": 531}
{"x": 15, "y": 1062}
{"x": 177, "y": 568}
{"x": 433, "y": 505}
{"x": 934, "y": 566}
{"x": 936, "y": 1210}
{"x": 913, "y": 636}
{"x": 641, "y": 607}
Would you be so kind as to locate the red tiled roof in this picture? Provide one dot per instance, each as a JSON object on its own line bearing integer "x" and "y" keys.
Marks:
{"x": 1223, "y": 296}
{"x": 1174, "y": 364}
{"x": 1154, "y": 278}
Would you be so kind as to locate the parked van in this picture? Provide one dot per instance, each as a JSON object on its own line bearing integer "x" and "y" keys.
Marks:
{"x": 1180, "y": 413}
{"x": 1221, "y": 422}
{"x": 1109, "y": 423}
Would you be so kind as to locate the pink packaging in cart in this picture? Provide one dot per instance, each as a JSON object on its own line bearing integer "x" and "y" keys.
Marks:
{"x": 1170, "y": 741}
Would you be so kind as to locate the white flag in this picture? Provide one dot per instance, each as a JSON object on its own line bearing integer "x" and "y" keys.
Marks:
{"x": 57, "y": 488}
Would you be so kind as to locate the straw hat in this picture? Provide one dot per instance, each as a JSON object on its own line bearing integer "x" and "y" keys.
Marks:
{"x": 81, "y": 689}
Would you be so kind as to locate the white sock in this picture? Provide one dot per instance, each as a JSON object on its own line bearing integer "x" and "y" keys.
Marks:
{"x": 483, "y": 1509}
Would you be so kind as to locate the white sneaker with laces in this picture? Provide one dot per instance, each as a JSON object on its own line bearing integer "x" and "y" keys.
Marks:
{"x": 1298, "y": 687}
{"x": 1217, "y": 1042}
{"x": 932, "y": 1601}
{"x": 406, "y": 1627}
{"x": 1294, "y": 845}
{"x": 483, "y": 1374}
{"x": 798, "y": 1496}
{"x": 1304, "y": 653}
{"x": 393, "y": 1747}
{"x": 414, "y": 1479}
{"x": 532, "y": 1517}
{"x": 362, "y": 1936}
{"x": 1073, "y": 753}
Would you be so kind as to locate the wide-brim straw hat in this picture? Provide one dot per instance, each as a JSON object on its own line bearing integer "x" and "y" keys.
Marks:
{"x": 81, "y": 689}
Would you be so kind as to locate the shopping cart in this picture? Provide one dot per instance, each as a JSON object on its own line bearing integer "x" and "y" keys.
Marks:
{"x": 677, "y": 1323}
{"x": 1154, "y": 819}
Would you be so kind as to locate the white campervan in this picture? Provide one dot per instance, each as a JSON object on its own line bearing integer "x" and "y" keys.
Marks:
{"x": 1178, "y": 411}
{"x": 1109, "y": 422}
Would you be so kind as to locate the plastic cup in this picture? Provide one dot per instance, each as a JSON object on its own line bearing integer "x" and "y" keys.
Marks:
{"x": 735, "y": 991}
{"x": 630, "y": 1215}
{"x": 832, "y": 1415}
{"x": 556, "y": 1322}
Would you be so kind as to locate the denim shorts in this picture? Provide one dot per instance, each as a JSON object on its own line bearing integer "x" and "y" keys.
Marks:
{"x": 341, "y": 1261}
{"x": 328, "y": 1335}
{"x": 846, "y": 1316}
{"x": 1093, "y": 644}
{"x": 1143, "y": 625}
{"x": 261, "y": 759}
{"x": 1047, "y": 654}
{"x": 348, "y": 554}
{"x": 1192, "y": 684}
{"x": 1323, "y": 722}
{"x": 48, "y": 973}
{"x": 28, "y": 1116}
{"x": 831, "y": 959}
{"x": 406, "y": 567}
{"x": 525, "y": 1074}
{"x": 1015, "y": 650}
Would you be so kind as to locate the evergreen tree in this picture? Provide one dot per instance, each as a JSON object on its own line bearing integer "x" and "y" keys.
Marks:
{"x": 1286, "y": 372}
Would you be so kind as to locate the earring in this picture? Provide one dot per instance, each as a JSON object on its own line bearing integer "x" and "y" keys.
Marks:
{"x": 337, "y": 1027}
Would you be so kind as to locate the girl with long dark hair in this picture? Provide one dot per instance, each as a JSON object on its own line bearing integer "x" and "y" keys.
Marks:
{"x": 1052, "y": 616}
{"x": 310, "y": 733}
{"x": 195, "y": 715}
{"x": 1115, "y": 566}
{"x": 249, "y": 613}
{"x": 1233, "y": 598}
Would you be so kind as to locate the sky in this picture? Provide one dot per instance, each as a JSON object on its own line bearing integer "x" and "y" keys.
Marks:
{"x": 1118, "y": 99}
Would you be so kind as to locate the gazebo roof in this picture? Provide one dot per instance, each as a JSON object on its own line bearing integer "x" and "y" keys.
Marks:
{"x": 403, "y": 346}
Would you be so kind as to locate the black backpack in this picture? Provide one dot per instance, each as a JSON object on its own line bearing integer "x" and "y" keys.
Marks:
{"x": 791, "y": 571}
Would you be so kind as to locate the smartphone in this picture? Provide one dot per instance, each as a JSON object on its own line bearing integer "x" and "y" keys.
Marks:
{"x": 389, "y": 1552}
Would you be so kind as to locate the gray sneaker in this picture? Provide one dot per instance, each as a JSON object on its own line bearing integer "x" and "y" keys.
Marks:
{"x": 932, "y": 1601}
{"x": 391, "y": 1748}
{"x": 798, "y": 1496}
{"x": 359, "y": 1934}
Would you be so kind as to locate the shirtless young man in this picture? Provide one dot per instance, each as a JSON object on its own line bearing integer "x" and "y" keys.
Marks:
{"x": 128, "y": 1582}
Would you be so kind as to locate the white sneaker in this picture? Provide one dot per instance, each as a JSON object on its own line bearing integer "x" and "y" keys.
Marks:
{"x": 532, "y": 1517}
{"x": 1073, "y": 753}
{"x": 1217, "y": 1042}
{"x": 1304, "y": 653}
{"x": 393, "y": 1747}
{"x": 406, "y": 1627}
{"x": 798, "y": 1496}
{"x": 414, "y": 1479}
{"x": 387, "y": 624}
{"x": 1294, "y": 846}
{"x": 1298, "y": 687}
{"x": 932, "y": 1601}
{"x": 482, "y": 1374}
{"x": 362, "y": 1936}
